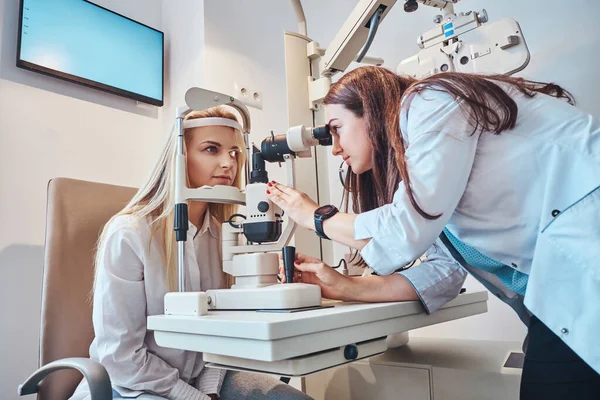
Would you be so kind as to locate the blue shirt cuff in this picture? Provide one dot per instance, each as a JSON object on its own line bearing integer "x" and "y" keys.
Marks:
{"x": 434, "y": 293}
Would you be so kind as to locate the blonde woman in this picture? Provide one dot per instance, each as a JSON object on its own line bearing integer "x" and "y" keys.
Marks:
{"x": 135, "y": 268}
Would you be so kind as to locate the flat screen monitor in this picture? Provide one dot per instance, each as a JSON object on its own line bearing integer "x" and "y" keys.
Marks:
{"x": 79, "y": 41}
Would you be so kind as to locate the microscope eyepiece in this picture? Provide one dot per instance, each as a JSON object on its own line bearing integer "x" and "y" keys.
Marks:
{"x": 323, "y": 135}
{"x": 297, "y": 140}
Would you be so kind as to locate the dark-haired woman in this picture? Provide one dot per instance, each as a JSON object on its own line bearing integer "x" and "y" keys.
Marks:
{"x": 495, "y": 175}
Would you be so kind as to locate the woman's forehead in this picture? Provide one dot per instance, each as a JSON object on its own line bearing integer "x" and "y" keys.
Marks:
{"x": 224, "y": 135}
{"x": 337, "y": 111}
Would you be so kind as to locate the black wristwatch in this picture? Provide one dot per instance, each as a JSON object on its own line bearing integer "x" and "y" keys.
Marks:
{"x": 321, "y": 214}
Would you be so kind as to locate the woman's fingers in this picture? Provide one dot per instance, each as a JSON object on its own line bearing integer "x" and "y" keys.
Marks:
{"x": 297, "y": 272}
{"x": 306, "y": 270}
{"x": 276, "y": 190}
{"x": 303, "y": 258}
{"x": 300, "y": 258}
{"x": 277, "y": 198}
{"x": 286, "y": 190}
{"x": 309, "y": 266}
{"x": 297, "y": 276}
{"x": 291, "y": 196}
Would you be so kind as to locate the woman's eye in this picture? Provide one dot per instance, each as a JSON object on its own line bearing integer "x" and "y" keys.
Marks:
{"x": 211, "y": 149}
{"x": 234, "y": 153}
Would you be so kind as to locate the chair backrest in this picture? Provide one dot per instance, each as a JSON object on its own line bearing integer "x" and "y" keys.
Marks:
{"x": 75, "y": 215}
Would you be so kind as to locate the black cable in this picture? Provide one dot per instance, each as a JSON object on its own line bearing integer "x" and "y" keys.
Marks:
{"x": 230, "y": 220}
{"x": 403, "y": 268}
{"x": 340, "y": 173}
{"x": 342, "y": 261}
{"x": 407, "y": 266}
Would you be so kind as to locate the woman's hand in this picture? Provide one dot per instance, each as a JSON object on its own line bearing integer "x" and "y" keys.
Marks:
{"x": 312, "y": 270}
{"x": 336, "y": 286}
{"x": 297, "y": 205}
{"x": 301, "y": 209}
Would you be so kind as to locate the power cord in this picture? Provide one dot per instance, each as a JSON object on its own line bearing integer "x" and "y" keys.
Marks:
{"x": 341, "y": 174}
{"x": 345, "y": 264}
{"x": 233, "y": 224}
{"x": 403, "y": 268}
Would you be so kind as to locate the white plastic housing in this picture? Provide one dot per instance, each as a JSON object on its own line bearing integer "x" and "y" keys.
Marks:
{"x": 186, "y": 303}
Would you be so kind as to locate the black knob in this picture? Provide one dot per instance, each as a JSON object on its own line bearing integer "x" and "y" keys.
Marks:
{"x": 351, "y": 352}
{"x": 263, "y": 206}
{"x": 289, "y": 256}
{"x": 410, "y": 5}
{"x": 555, "y": 213}
{"x": 259, "y": 173}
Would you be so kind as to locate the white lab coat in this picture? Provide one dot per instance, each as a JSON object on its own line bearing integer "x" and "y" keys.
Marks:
{"x": 131, "y": 285}
{"x": 528, "y": 198}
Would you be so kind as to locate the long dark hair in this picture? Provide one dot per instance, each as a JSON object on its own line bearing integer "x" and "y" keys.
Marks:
{"x": 376, "y": 94}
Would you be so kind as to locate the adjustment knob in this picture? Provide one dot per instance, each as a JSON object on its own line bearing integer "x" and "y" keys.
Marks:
{"x": 410, "y": 5}
{"x": 289, "y": 256}
{"x": 351, "y": 352}
{"x": 482, "y": 16}
{"x": 263, "y": 206}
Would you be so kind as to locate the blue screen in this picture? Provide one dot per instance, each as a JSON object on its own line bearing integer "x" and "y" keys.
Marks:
{"x": 78, "y": 38}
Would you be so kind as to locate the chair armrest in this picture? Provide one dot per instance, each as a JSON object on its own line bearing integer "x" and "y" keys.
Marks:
{"x": 95, "y": 374}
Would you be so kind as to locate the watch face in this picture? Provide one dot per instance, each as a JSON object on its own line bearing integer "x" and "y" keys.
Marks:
{"x": 325, "y": 210}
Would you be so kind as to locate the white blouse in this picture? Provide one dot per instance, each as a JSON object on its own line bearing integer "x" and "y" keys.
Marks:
{"x": 131, "y": 284}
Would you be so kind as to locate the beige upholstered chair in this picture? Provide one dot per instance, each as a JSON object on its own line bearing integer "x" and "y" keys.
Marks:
{"x": 76, "y": 213}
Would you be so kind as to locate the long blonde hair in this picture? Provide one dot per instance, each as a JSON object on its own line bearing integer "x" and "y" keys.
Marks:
{"x": 156, "y": 200}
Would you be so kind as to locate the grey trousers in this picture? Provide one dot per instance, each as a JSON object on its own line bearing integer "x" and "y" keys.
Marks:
{"x": 249, "y": 386}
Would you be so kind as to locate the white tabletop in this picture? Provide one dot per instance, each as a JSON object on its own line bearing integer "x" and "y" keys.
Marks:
{"x": 273, "y": 326}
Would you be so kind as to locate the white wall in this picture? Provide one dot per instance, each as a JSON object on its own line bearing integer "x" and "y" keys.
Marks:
{"x": 244, "y": 43}
{"x": 183, "y": 24}
{"x": 51, "y": 128}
